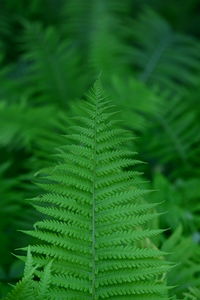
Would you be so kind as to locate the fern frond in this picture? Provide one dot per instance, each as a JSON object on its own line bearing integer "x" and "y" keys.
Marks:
{"x": 184, "y": 252}
{"x": 22, "y": 125}
{"x": 136, "y": 101}
{"x": 193, "y": 294}
{"x": 174, "y": 132}
{"x": 177, "y": 198}
{"x": 96, "y": 27}
{"x": 28, "y": 288}
{"x": 156, "y": 53}
{"x": 54, "y": 65}
{"x": 95, "y": 235}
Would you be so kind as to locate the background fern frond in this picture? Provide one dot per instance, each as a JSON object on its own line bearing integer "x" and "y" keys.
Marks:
{"x": 96, "y": 27}
{"x": 177, "y": 198}
{"x": 177, "y": 134}
{"x": 156, "y": 49}
{"x": 193, "y": 294}
{"x": 186, "y": 253}
{"x": 53, "y": 65}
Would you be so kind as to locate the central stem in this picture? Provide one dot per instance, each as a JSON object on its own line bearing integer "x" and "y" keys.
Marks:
{"x": 93, "y": 214}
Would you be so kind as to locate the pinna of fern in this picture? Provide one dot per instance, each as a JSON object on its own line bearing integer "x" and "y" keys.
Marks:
{"x": 27, "y": 287}
{"x": 95, "y": 219}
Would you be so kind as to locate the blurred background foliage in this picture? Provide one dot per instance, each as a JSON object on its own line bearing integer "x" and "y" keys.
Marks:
{"x": 148, "y": 56}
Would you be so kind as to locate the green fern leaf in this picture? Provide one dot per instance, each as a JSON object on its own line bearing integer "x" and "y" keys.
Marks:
{"x": 54, "y": 65}
{"x": 28, "y": 288}
{"x": 96, "y": 27}
{"x": 175, "y": 135}
{"x": 156, "y": 53}
{"x": 94, "y": 227}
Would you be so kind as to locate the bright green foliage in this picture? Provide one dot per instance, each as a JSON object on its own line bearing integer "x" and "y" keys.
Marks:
{"x": 94, "y": 227}
{"x": 28, "y": 288}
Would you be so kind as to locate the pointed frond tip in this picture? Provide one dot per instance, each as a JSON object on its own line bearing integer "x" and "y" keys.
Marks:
{"x": 96, "y": 218}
